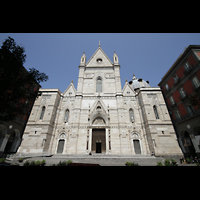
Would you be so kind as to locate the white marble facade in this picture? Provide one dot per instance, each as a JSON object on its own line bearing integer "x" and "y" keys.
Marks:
{"x": 100, "y": 116}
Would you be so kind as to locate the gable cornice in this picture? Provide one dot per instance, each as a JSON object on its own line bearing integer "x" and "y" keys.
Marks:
{"x": 99, "y": 49}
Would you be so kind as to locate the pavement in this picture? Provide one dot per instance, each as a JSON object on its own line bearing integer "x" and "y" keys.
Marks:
{"x": 101, "y": 159}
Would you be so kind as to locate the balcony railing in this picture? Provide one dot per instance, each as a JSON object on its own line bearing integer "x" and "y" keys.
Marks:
{"x": 174, "y": 105}
{"x": 196, "y": 112}
{"x": 186, "y": 97}
{"x": 188, "y": 71}
{"x": 176, "y": 82}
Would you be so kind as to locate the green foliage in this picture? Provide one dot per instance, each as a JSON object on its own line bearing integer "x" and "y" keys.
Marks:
{"x": 132, "y": 164}
{"x": 9, "y": 45}
{"x": 20, "y": 159}
{"x": 63, "y": 163}
{"x": 159, "y": 164}
{"x": 69, "y": 161}
{"x": 173, "y": 162}
{"x": 43, "y": 163}
{"x": 188, "y": 160}
{"x": 27, "y": 163}
{"x": 32, "y": 163}
{"x": 168, "y": 162}
{"x": 35, "y": 163}
{"x": 18, "y": 86}
{"x": 2, "y": 160}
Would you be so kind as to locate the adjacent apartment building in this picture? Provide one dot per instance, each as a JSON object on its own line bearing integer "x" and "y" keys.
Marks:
{"x": 181, "y": 82}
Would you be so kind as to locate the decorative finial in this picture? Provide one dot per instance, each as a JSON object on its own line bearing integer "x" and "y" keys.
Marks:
{"x": 72, "y": 81}
{"x": 99, "y": 43}
{"x": 126, "y": 80}
{"x": 134, "y": 77}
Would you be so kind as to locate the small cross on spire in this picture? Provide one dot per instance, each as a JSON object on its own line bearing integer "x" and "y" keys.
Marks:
{"x": 99, "y": 44}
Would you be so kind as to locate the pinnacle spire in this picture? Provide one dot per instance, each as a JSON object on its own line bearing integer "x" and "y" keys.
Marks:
{"x": 134, "y": 77}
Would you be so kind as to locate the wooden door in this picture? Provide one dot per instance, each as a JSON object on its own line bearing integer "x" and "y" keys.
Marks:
{"x": 137, "y": 148}
{"x": 98, "y": 140}
{"x": 60, "y": 146}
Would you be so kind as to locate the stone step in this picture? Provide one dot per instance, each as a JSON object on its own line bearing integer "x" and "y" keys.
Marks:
{"x": 101, "y": 159}
{"x": 101, "y": 156}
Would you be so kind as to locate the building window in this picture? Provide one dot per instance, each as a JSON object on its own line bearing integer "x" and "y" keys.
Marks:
{"x": 182, "y": 92}
{"x": 66, "y": 116}
{"x": 156, "y": 112}
{"x": 42, "y": 112}
{"x": 175, "y": 78}
{"x": 196, "y": 82}
{"x": 131, "y": 114}
{"x": 177, "y": 114}
{"x": 99, "y": 85}
{"x": 99, "y": 60}
{"x": 187, "y": 66}
{"x": 172, "y": 100}
{"x": 190, "y": 110}
{"x": 167, "y": 87}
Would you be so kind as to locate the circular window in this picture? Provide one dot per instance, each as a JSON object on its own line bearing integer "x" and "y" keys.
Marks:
{"x": 99, "y": 60}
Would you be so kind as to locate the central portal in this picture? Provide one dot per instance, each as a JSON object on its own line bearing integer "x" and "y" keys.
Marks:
{"x": 98, "y": 141}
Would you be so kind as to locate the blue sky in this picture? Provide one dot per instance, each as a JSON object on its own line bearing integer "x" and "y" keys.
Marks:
{"x": 148, "y": 55}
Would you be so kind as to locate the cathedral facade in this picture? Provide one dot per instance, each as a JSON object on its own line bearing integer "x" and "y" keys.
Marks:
{"x": 100, "y": 116}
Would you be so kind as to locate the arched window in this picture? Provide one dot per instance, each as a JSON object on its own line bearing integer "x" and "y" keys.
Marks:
{"x": 42, "y": 112}
{"x": 62, "y": 135}
{"x": 66, "y": 116}
{"x": 190, "y": 110}
{"x": 99, "y": 85}
{"x": 156, "y": 112}
{"x": 131, "y": 114}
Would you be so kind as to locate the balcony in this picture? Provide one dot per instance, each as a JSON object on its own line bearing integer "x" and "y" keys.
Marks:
{"x": 186, "y": 72}
{"x": 185, "y": 98}
{"x": 174, "y": 105}
{"x": 188, "y": 116}
{"x": 176, "y": 82}
{"x": 197, "y": 89}
{"x": 168, "y": 91}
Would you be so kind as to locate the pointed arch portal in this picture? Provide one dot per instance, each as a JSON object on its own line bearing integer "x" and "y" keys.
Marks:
{"x": 60, "y": 146}
{"x": 98, "y": 140}
{"x": 137, "y": 148}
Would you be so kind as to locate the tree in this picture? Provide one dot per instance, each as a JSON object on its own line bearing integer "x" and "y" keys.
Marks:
{"x": 18, "y": 87}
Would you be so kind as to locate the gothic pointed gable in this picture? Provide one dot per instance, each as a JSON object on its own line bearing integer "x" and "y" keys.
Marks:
{"x": 98, "y": 106}
{"x": 128, "y": 90}
{"x": 98, "y": 110}
{"x": 70, "y": 91}
{"x": 99, "y": 59}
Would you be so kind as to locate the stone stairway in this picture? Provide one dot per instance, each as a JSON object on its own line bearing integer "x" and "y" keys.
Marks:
{"x": 104, "y": 159}
{"x": 101, "y": 159}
